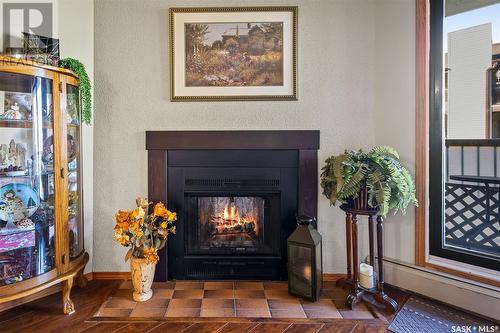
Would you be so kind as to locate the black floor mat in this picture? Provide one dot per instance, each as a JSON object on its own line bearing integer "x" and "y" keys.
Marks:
{"x": 419, "y": 315}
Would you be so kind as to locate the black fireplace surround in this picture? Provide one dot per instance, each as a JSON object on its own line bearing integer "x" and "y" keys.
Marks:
{"x": 236, "y": 194}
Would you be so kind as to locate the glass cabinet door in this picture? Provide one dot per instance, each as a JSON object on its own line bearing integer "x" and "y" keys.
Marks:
{"x": 75, "y": 218}
{"x": 27, "y": 212}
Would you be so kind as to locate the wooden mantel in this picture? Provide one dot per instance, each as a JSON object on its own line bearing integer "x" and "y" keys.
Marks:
{"x": 199, "y": 140}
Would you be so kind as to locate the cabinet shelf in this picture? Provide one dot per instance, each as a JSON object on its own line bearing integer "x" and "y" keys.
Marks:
{"x": 47, "y": 173}
{"x": 13, "y": 231}
{"x": 29, "y": 124}
{"x": 23, "y": 123}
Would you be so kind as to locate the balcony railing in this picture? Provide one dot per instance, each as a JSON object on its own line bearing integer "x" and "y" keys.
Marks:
{"x": 472, "y": 198}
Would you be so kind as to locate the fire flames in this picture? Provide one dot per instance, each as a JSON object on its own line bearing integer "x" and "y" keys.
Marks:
{"x": 230, "y": 220}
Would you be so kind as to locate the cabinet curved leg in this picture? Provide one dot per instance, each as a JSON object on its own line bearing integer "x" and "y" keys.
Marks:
{"x": 81, "y": 280}
{"x": 68, "y": 306}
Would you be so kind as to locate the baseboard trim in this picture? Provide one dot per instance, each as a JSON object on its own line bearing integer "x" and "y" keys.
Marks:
{"x": 111, "y": 275}
{"x": 479, "y": 300}
{"x": 126, "y": 276}
{"x": 333, "y": 276}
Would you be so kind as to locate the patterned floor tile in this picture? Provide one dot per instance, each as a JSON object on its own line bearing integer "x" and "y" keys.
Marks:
{"x": 222, "y": 299}
{"x": 217, "y": 303}
{"x": 219, "y": 293}
{"x": 163, "y": 285}
{"x": 215, "y": 285}
{"x": 253, "y": 313}
{"x": 217, "y": 312}
{"x": 154, "y": 302}
{"x": 288, "y": 313}
{"x": 112, "y": 312}
{"x": 273, "y": 285}
{"x": 278, "y": 294}
{"x": 248, "y": 285}
{"x": 185, "y": 293}
{"x": 182, "y": 312}
{"x": 148, "y": 312}
{"x": 282, "y": 304}
{"x": 330, "y": 313}
{"x": 243, "y": 293}
{"x": 185, "y": 303}
{"x": 183, "y": 285}
{"x": 251, "y": 303}
{"x": 163, "y": 293}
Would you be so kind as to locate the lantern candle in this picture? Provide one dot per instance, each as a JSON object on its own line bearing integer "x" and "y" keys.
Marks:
{"x": 304, "y": 260}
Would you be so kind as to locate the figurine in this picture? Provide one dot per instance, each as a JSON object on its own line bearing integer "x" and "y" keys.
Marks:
{"x": 25, "y": 223}
{"x": 12, "y": 206}
{"x": 14, "y": 154}
{"x": 14, "y": 113}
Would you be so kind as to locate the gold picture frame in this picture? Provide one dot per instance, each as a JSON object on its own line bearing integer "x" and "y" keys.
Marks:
{"x": 233, "y": 53}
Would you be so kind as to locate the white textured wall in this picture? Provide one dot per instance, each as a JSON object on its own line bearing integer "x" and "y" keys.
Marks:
{"x": 76, "y": 33}
{"x": 469, "y": 56}
{"x": 394, "y": 107}
{"x": 335, "y": 80}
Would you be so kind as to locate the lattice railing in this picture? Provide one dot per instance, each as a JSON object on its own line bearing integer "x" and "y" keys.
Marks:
{"x": 472, "y": 217}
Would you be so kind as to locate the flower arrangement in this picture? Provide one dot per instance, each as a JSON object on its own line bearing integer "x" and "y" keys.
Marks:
{"x": 144, "y": 233}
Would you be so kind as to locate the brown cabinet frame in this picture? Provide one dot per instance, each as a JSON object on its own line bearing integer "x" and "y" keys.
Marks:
{"x": 66, "y": 270}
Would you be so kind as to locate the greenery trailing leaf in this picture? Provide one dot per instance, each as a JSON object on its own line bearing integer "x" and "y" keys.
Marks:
{"x": 389, "y": 184}
{"x": 85, "y": 87}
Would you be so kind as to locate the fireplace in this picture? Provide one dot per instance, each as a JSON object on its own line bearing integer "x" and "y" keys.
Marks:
{"x": 236, "y": 195}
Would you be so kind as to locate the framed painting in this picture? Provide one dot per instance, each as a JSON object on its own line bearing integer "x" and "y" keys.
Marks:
{"x": 235, "y": 53}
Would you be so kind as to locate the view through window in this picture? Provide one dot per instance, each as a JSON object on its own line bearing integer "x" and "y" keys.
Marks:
{"x": 469, "y": 223}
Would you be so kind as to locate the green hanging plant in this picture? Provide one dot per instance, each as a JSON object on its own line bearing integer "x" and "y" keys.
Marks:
{"x": 389, "y": 184}
{"x": 85, "y": 87}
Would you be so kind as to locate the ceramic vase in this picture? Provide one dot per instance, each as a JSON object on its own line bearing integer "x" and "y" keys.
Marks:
{"x": 142, "y": 278}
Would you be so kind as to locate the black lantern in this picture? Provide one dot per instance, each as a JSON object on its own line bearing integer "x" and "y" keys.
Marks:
{"x": 305, "y": 270}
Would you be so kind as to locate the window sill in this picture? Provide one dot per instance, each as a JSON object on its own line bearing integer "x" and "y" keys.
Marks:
{"x": 478, "y": 274}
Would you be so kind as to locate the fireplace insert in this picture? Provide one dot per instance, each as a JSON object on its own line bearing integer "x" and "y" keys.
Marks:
{"x": 235, "y": 208}
{"x": 232, "y": 224}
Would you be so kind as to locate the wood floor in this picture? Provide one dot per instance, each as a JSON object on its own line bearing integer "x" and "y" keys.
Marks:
{"x": 45, "y": 315}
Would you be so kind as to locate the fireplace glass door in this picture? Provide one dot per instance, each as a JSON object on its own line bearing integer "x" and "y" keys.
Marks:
{"x": 231, "y": 225}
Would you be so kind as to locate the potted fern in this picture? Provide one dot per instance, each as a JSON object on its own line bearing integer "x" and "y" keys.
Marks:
{"x": 85, "y": 86}
{"x": 369, "y": 181}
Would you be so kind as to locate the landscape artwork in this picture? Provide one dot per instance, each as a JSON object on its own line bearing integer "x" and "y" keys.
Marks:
{"x": 234, "y": 54}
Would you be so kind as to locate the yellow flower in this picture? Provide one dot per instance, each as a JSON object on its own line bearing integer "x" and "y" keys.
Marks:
{"x": 123, "y": 239}
{"x": 160, "y": 210}
{"x": 139, "y": 233}
{"x": 163, "y": 225}
{"x": 172, "y": 217}
{"x": 123, "y": 219}
{"x": 150, "y": 255}
{"x": 135, "y": 226}
{"x": 142, "y": 202}
{"x": 138, "y": 213}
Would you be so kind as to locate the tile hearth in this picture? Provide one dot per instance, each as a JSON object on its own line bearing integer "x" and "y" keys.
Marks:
{"x": 239, "y": 299}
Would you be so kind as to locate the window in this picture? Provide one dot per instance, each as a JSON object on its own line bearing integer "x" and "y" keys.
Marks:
{"x": 464, "y": 133}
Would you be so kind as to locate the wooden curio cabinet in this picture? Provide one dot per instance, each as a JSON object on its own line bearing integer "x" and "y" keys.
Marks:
{"x": 41, "y": 215}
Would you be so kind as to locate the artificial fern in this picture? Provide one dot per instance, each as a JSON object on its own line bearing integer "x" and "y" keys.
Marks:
{"x": 85, "y": 87}
{"x": 389, "y": 184}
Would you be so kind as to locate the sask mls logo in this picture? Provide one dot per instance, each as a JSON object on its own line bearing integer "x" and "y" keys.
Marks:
{"x": 17, "y": 17}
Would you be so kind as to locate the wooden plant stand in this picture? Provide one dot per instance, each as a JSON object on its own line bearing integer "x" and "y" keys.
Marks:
{"x": 352, "y": 279}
